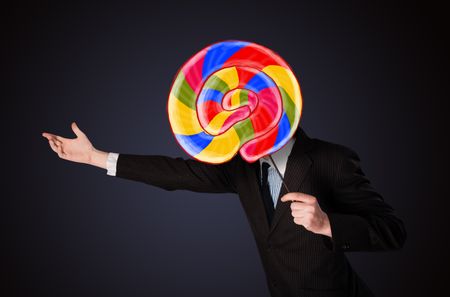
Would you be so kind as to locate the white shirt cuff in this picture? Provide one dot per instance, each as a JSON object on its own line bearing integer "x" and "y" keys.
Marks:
{"x": 111, "y": 163}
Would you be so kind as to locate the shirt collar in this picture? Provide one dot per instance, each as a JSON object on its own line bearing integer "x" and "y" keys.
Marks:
{"x": 280, "y": 157}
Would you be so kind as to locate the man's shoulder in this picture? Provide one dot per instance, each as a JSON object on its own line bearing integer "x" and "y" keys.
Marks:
{"x": 332, "y": 150}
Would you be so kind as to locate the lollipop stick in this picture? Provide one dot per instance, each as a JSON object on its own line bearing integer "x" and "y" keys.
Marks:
{"x": 279, "y": 173}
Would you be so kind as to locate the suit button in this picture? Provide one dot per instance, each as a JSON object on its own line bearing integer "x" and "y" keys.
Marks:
{"x": 269, "y": 248}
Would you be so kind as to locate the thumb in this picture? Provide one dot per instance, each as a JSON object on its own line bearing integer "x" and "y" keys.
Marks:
{"x": 77, "y": 130}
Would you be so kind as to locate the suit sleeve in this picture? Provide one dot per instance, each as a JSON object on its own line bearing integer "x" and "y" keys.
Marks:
{"x": 361, "y": 220}
{"x": 176, "y": 173}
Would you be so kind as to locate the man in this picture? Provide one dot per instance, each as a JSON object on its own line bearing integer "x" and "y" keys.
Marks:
{"x": 333, "y": 209}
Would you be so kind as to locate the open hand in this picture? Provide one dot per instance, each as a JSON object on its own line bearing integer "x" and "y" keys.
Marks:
{"x": 79, "y": 149}
{"x": 306, "y": 212}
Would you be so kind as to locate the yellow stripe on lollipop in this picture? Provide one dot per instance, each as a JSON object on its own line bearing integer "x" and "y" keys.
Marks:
{"x": 222, "y": 148}
{"x": 229, "y": 76}
{"x": 217, "y": 122}
{"x": 236, "y": 99}
{"x": 284, "y": 78}
{"x": 182, "y": 118}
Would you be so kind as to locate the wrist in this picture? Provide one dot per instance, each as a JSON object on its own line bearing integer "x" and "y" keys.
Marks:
{"x": 98, "y": 158}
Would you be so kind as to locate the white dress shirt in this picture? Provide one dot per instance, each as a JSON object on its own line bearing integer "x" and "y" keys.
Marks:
{"x": 280, "y": 158}
{"x": 111, "y": 163}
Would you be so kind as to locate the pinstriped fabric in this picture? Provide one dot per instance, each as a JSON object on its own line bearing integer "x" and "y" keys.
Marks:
{"x": 297, "y": 262}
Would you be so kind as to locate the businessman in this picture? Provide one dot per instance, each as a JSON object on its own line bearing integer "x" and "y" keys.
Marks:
{"x": 302, "y": 236}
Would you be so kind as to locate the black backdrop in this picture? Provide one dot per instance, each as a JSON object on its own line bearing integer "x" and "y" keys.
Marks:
{"x": 373, "y": 77}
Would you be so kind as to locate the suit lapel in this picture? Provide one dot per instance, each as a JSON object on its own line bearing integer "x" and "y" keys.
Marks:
{"x": 258, "y": 210}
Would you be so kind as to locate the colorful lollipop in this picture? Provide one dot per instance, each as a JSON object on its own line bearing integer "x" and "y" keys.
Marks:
{"x": 234, "y": 96}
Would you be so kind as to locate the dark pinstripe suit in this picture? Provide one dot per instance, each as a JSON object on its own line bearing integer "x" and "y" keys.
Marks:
{"x": 297, "y": 262}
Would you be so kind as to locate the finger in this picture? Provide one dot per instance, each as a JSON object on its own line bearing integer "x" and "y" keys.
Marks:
{"x": 301, "y": 213}
{"x": 57, "y": 142}
{"x": 302, "y": 222}
{"x": 54, "y": 147}
{"x": 77, "y": 130}
{"x": 50, "y": 136}
{"x": 61, "y": 139}
{"x": 303, "y": 210}
{"x": 299, "y": 205}
{"x": 299, "y": 197}
{"x": 302, "y": 206}
{"x": 57, "y": 149}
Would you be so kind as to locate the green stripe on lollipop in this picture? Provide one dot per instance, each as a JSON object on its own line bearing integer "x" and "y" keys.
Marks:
{"x": 183, "y": 92}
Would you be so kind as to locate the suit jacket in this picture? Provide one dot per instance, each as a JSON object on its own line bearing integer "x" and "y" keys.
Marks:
{"x": 296, "y": 261}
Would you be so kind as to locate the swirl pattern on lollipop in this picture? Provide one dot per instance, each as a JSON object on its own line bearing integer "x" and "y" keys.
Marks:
{"x": 234, "y": 96}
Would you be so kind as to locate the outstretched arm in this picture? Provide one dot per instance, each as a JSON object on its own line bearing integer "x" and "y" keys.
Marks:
{"x": 161, "y": 171}
{"x": 363, "y": 221}
{"x": 174, "y": 173}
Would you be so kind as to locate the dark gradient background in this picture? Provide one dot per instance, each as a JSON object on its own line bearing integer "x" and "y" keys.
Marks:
{"x": 373, "y": 77}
